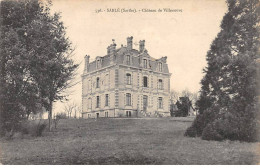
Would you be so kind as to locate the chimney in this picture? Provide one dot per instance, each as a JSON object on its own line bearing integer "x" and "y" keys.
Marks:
{"x": 130, "y": 43}
{"x": 86, "y": 62}
{"x": 141, "y": 45}
{"x": 164, "y": 59}
{"x": 113, "y": 49}
{"x": 112, "y": 52}
{"x": 108, "y": 50}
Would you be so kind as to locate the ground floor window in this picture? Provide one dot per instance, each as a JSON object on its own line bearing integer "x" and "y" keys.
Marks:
{"x": 89, "y": 115}
{"x": 106, "y": 114}
{"x": 98, "y": 102}
{"x": 106, "y": 102}
{"x": 97, "y": 115}
{"x": 128, "y": 114}
{"x": 160, "y": 102}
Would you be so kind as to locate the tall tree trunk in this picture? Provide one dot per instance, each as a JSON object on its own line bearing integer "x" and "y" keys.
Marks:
{"x": 50, "y": 116}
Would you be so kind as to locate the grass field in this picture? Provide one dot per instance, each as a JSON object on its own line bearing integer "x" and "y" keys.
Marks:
{"x": 124, "y": 141}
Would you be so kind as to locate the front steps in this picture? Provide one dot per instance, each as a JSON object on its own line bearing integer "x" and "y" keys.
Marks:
{"x": 143, "y": 114}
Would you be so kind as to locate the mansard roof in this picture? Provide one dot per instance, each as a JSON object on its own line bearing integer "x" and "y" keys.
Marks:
{"x": 120, "y": 54}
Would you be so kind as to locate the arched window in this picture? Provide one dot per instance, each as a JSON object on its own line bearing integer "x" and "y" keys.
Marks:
{"x": 97, "y": 82}
{"x": 128, "y": 99}
{"x": 145, "y": 81}
{"x": 160, "y": 84}
{"x": 128, "y": 79}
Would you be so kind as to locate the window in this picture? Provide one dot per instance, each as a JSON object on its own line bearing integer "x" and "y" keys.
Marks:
{"x": 160, "y": 102}
{"x": 128, "y": 79}
{"x": 145, "y": 63}
{"x": 98, "y": 63}
{"x": 128, "y": 60}
{"x": 89, "y": 103}
{"x": 145, "y": 82}
{"x": 106, "y": 103}
{"x": 89, "y": 115}
{"x": 97, "y": 82}
{"x": 160, "y": 66}
{"x": 98, "y": 101}
{"x": 160, "y": 84}
{"x": 106, "y": 114}
{"x": 128, "y": 113}
{"x": 128, "y": 99}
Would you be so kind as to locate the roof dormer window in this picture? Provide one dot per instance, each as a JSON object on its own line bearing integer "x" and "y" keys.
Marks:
{"x": 128, "y": 60}
{"x": 160, "y": 66}
{"x": 98, "y": 63}
{"x": 145, "y": 63}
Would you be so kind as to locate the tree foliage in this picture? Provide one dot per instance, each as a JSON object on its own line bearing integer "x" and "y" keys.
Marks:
{"x": 35, "y": 59}
{"x": 183, "y": 101}
{"x": 183, "y": 104}
{"x": 230, "y": 80}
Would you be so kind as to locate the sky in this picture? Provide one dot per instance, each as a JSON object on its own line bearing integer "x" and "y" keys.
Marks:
{"x": 184, "y": 37}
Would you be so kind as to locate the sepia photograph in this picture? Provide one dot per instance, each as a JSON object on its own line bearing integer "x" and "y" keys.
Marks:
{"x": 130, "y": 82}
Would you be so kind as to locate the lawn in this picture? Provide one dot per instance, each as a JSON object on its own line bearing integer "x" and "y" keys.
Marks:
{"x": 124, "y": 141}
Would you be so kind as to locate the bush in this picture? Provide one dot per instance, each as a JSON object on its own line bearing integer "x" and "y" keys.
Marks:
{"x": 210, "y": 133}
{"x": 224, "y": 127}
{"x": 191, "y": 132}
{"x": 33, "y": 128}
{"x": 228, "y": 123}
{"x": 201, "y": 121}
{"x": 230, "y": 127}
{"x": 58, "y": 117}
{"x": 61, "y": 116}
{"x": 41, "y": 127}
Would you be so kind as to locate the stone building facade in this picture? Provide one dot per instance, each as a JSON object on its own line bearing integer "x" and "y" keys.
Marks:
{"x": 126, "y": 83}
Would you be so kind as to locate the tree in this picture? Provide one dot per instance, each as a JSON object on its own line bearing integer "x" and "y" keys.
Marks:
{"x": 77, "y": 111}
{"x": 193, "y": 97}
{"x": 183, "y": 105}
{"x": 174, "y": 96}
{"x": 35, "y": 58}
{"x": 18, "y": 88}
{"x": 51, "y": 63}
{"x": 57, "y": 118}
{"x": 69, "y": 108}
{"x": 186, "y": 93}
{"x": 72, "y": 109}
{"x": 229, "y": 87}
